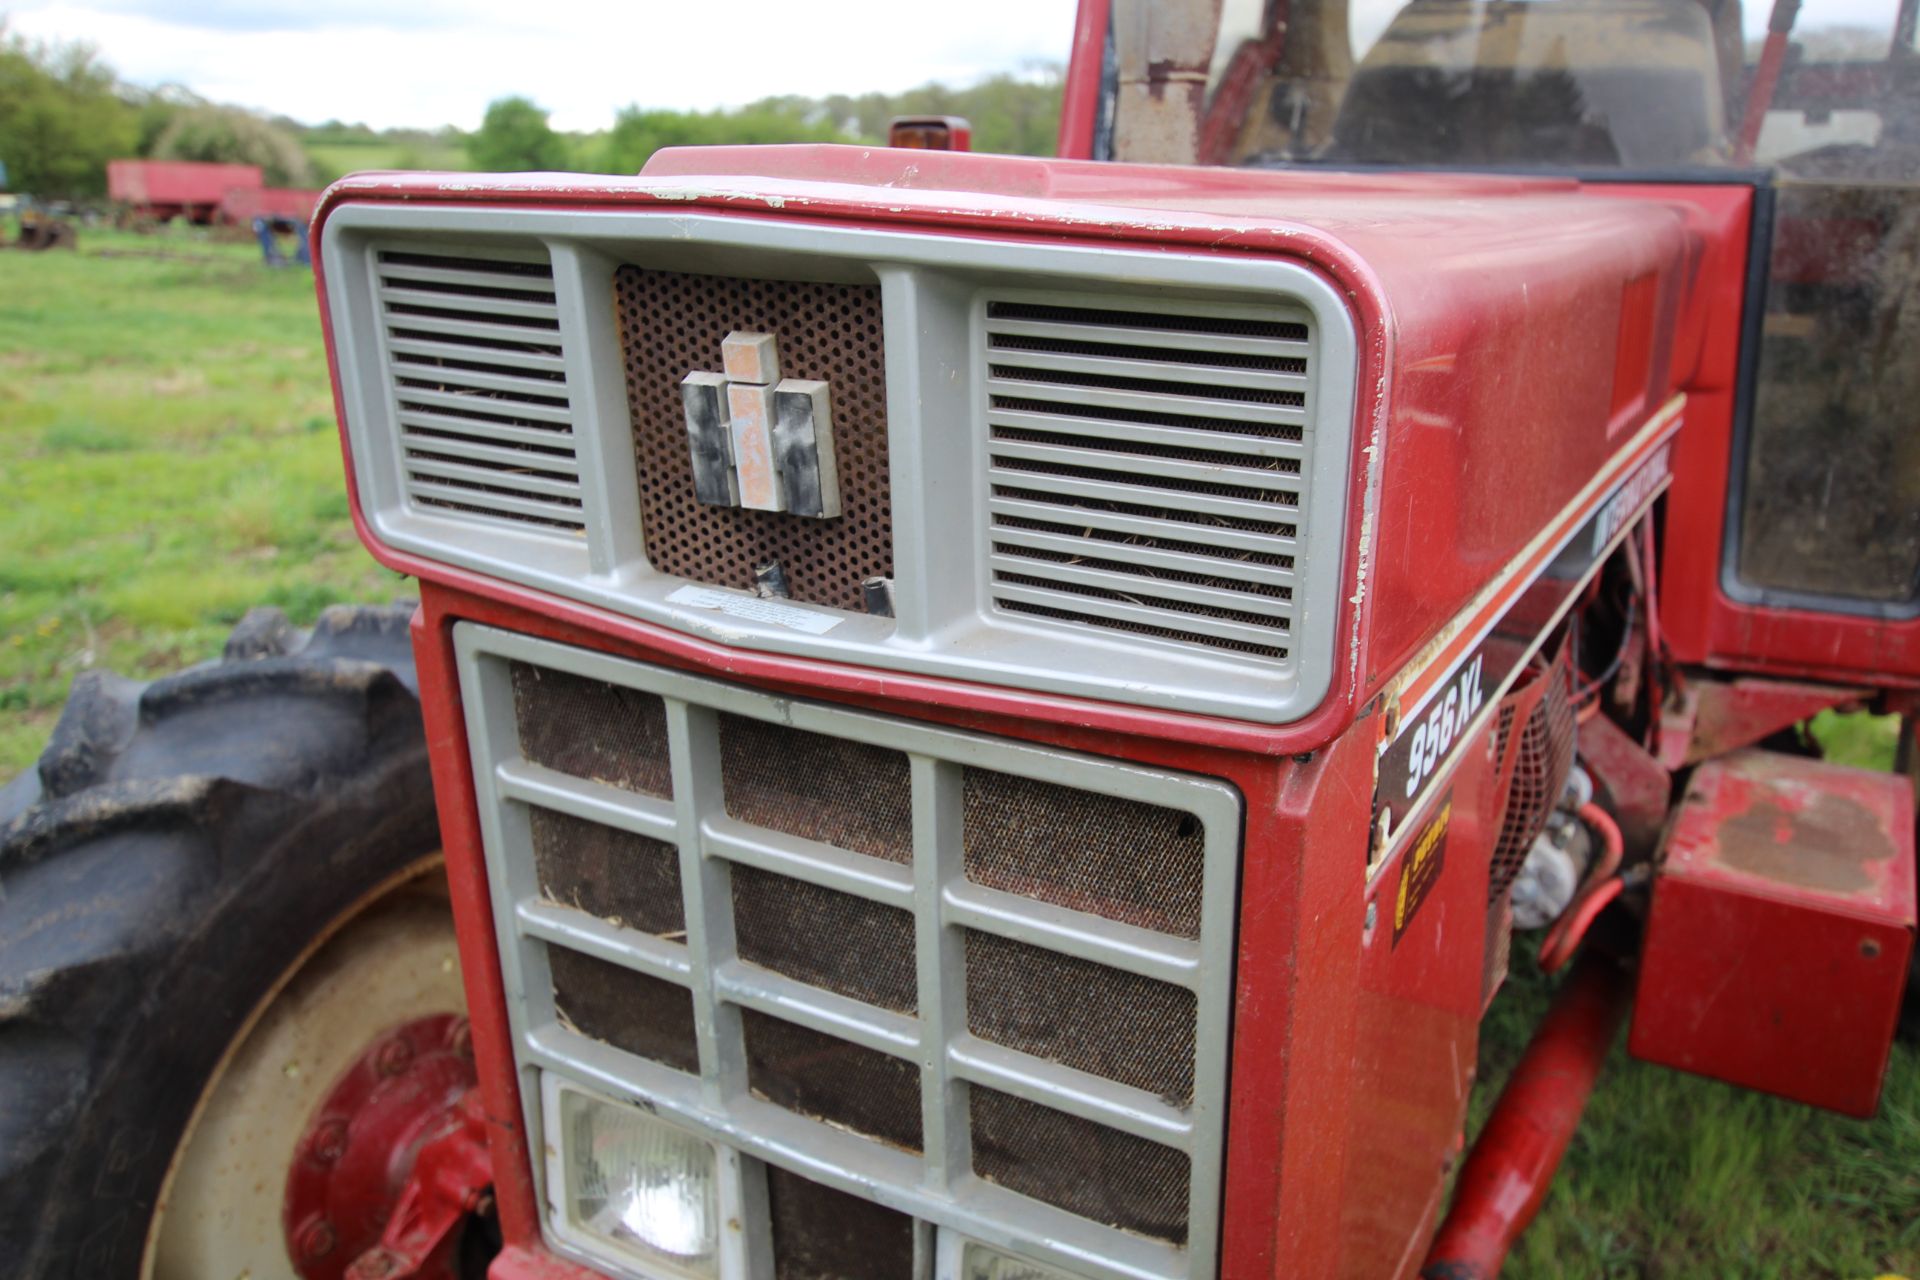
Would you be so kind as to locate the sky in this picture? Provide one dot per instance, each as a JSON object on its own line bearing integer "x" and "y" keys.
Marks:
{"x": 425, "y": 63}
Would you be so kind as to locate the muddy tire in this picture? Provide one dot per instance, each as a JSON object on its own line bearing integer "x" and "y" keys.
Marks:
{"x": 180, "y": 847}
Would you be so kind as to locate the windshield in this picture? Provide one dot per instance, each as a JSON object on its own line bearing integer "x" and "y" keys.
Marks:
{"x": 1638, "y": 85}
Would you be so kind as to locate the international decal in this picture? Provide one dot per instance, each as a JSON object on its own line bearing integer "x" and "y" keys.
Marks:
{"x": 757, "y": 440}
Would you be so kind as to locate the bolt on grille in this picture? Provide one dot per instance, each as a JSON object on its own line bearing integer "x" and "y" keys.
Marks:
{"x": 479, "y": 386}
{"x": 1147, "y": 467}
{"x": 892, "y": 1006}
{"x": 671, "y": 325}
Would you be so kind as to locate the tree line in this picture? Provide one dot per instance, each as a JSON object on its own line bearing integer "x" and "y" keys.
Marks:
{"x": 64, "y": 113}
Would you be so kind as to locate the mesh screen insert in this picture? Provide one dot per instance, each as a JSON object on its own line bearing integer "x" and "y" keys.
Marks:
{"x": 835, "y": 790}
{"x": 1100, "y": 1020}
{"x": 591, "y": 729}
{"x": 872, "y": 1094}
{"x": 1079, "y": 1166}
{"x": 628, "y": 879}
{"x": 671, "y": 325}
{"x": 1122, "y": 859}
{"x": 849, "y": 945}
{"x": 1544, "y": 747}
{"x": 634, "y": 1012}
{"x": 823, "y": 1234}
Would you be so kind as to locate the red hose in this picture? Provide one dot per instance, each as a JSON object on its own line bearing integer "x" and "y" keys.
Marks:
{"x": 1612, "y": 845}
{"x": 1602, "y": 886}
{"x": 1565, "y": 936}
{"x": 1512, "y": 1164}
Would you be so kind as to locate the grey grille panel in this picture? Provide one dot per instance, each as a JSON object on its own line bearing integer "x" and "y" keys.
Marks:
{"x": 894, "y": 1025}
{"x": 479, "y": 386}
{"x": 1103, "y": 517}
{"x": 1147, "y": 467}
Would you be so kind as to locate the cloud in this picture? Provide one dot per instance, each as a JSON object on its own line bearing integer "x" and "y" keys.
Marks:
{"x": 581, "y": 59}
{"x": 283, "y": 15}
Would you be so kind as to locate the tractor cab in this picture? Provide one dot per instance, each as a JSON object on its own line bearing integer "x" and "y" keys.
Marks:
{"x": 1814, "y": 107}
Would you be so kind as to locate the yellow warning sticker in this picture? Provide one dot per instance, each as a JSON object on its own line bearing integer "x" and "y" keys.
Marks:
{"x": 1420, "y": 869}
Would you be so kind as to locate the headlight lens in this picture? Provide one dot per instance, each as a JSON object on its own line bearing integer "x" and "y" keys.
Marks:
{"x": 641, "y": 1185}
{"x": 978, "y": 1262}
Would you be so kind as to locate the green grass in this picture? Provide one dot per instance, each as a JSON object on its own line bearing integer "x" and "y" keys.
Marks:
{"x": 167, "y": 459}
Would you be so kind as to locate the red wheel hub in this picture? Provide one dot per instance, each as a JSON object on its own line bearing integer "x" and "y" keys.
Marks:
{"x": 392, "y": 1161}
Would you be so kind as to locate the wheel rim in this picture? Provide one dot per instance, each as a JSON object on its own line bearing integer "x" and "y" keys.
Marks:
{"x": 389, "y": 959}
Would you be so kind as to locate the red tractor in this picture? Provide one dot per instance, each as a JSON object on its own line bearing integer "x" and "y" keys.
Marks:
{"x": 998, "y": 718}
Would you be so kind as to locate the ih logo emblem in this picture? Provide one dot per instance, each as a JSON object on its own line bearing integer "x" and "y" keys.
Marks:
{"x": 760, "y": 441}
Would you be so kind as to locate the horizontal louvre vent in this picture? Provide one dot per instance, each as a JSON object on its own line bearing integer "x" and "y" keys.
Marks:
{"x": 1147, "y": 468}
{"x": 480, "y": 387}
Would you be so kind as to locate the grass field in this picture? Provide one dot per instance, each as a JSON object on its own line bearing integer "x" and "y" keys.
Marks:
{"x": 167, "y": 459}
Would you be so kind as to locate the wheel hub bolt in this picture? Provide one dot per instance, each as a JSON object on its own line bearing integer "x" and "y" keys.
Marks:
{"x": 394, "y": 1056}
{"x": 329, "y": 1141}
{"x": 316, "y": 1239}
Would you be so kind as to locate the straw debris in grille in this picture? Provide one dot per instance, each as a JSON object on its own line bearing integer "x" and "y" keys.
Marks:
{"x": 624, "y": 878}
{"x": 634, "y": 1012}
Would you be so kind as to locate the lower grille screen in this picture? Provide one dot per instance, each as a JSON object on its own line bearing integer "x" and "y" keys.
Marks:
{"x": 857, "y": 1089}
{"x": 851, "y": 946}
{"x": 823, "y": 1234}
{"x": 600, "y": 732}
{"x": 1106, "y": 1021}
{"x": 1090, "y": 1170}
{"x": 1121, "y": 859}
{"x": 850, "y": 794}
{"x": 632, "y": 1012}
{"x": 624, "y": 878}
{"x": 908, "y": 947}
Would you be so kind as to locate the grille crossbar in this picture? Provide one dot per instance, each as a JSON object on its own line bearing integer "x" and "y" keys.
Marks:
{"x": 947, "y": 1179}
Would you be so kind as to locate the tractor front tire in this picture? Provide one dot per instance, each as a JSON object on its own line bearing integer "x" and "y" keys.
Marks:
{"x": 182, "y": 848}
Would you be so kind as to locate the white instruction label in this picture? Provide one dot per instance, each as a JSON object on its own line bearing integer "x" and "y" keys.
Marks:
{"x": 754, "y": 608}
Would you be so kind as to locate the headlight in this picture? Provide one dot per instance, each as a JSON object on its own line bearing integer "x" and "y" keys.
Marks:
{"x": 643, "y": 1186}
{"x": 978, "y": 1262}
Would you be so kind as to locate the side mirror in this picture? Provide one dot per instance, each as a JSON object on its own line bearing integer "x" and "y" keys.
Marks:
{"x": 930, "y": 133}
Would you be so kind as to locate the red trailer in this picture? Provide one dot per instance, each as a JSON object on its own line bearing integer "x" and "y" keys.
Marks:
{"x": 165, "y": 189}
{"x": 242, "y": 205}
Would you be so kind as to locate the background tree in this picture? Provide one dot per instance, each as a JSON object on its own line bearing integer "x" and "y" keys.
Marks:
{"x": 637, "y": 133}
{"x": 515, "y": 137}
{"x": 229, "y": 135}
{"x": 61, "y": 118}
